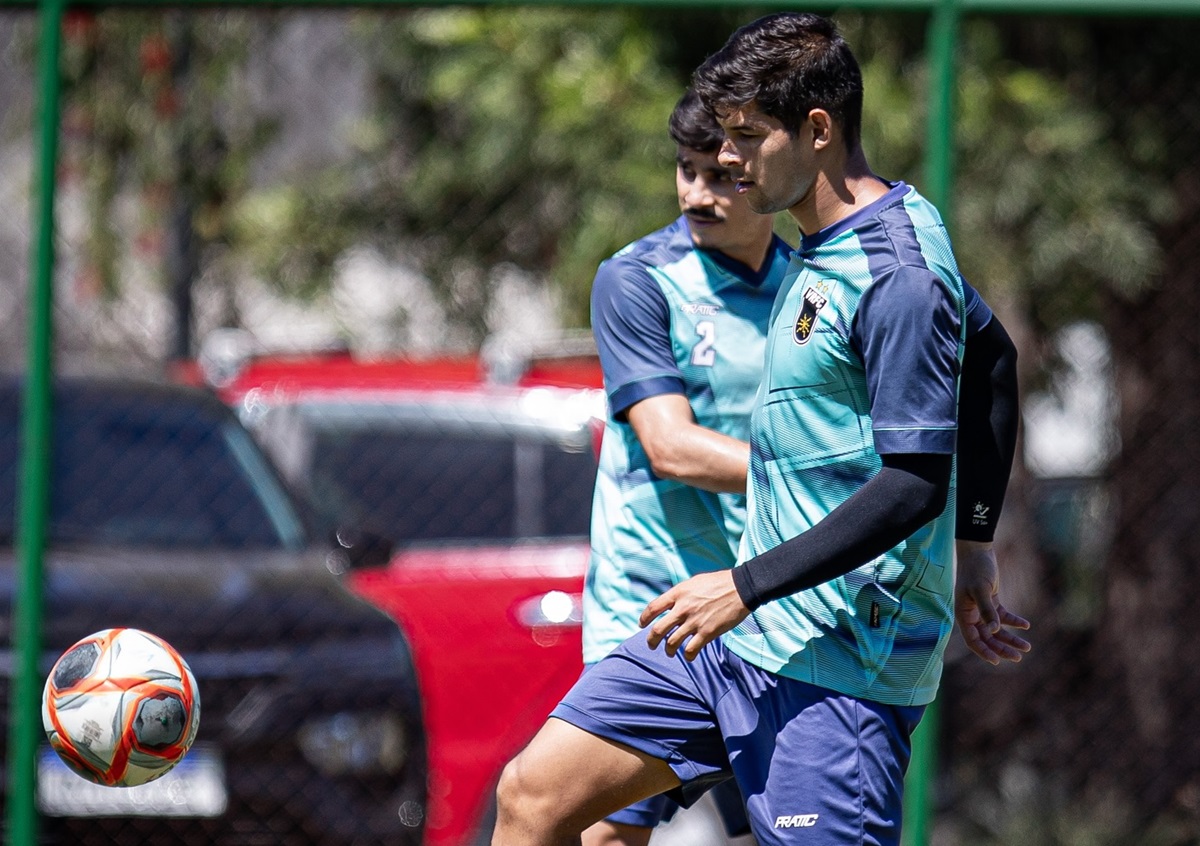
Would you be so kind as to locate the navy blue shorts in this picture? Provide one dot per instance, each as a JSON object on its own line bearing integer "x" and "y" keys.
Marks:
{"x": 815, "y": 766}
{"x": 648, "y": 813}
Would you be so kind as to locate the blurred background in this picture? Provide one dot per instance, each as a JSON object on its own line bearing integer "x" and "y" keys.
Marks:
{"x": 436, "y": 182}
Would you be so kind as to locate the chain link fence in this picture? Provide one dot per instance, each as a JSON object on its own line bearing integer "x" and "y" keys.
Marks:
{"x": 292, "y": 175}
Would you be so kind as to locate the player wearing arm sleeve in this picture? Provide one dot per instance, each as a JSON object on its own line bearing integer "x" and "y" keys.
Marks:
{"x": 850, "y": 549}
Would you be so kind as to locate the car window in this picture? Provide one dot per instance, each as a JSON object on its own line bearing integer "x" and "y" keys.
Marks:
{"x": 161, "y": 474}
{"x": 425, "y": 470}
{"x": 424, "y": 486}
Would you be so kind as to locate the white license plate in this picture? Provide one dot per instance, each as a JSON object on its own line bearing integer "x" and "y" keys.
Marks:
{"x": 195, "y": 787}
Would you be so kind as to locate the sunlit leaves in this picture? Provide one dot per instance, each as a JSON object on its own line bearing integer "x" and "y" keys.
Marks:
{"x": 535, "y": 137}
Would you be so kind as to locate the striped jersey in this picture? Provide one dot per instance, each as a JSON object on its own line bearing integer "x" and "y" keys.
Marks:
{"x": 862, "y": 359}
{"x": 669, "y": 318}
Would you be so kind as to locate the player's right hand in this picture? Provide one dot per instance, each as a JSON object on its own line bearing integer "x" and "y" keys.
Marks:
{"x": 694, "y": 612}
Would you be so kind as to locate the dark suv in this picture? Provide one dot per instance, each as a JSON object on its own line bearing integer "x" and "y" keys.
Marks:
{"x": 166, "y": 516}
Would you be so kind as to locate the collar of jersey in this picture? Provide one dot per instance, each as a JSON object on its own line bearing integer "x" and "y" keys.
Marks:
{"x": 754, "y": 278}
{"x": 896, "y": 193}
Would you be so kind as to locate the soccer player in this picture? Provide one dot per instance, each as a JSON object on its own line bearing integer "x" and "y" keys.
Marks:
{"x": 680, "y": 319}
{"x": 803, "y": 671}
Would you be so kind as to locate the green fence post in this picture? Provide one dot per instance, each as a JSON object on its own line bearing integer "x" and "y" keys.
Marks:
{"x": 939, "y": 178}
{"x": 939, "y": 132}
{"x": 25, "y": 725}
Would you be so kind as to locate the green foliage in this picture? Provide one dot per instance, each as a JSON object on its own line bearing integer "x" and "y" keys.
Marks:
{"x": 1013, "y": 803}
{"x": 531, "y": 137}
{"x": 536, "y": 138}
{"x": 1048, "y": 208}
{"x": 153, "y": 113}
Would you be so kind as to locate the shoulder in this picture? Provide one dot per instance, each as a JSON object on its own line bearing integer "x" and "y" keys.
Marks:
{"x": 659, "y": 249}
{"x": 638, "y": 270}
{"x": 904, "y": 282}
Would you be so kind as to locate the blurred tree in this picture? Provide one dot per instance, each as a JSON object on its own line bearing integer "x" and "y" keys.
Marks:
{"x": 1124, "y": 714}
{"x": 1038, "y": 226}
{"x": 160, "y": 136}
{"x": 536, "y": 138}
{"x": 1076, "y": 199}
{"x": 530, "y": 137}
{"x": 533, "y": 138}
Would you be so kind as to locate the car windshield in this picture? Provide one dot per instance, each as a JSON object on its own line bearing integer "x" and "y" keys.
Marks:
{"x": 436, "y": 474}
{"x": 143, "y": 470}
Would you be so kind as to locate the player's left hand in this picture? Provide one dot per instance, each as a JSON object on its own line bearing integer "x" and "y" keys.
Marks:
{"x": 983, "y": 620}
{"x": 697, "y": 611}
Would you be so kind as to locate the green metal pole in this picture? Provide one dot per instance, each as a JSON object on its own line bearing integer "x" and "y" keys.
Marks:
{"x": 939, "y": 132}
{"x": 918, "y": 784}
{"x": 939, "y": 180}
{"x": 25, "y": 729}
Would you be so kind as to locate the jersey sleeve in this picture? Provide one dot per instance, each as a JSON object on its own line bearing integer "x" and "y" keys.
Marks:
{"x": 979, "y": 313}
{"x": 907, "y": 331}
{"x": 631, "y": 321}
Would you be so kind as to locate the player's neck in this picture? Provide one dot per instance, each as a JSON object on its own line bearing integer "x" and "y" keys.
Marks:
{"x": 754, "y": 255}
{"x": 837, "y": 193}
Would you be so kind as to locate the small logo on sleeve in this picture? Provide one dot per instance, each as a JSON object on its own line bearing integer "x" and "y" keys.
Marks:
{"x": 797, "y": 821}
{"x": 979, "y": 515}
{"x": 807, "y": 318}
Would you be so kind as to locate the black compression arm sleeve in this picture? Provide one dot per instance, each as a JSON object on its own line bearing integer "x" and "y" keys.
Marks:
{"x": 909, "y": 491}
{"x": 987, "y": 430}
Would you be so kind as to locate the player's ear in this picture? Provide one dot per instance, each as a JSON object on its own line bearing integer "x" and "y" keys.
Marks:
{"x": 821, "y": 127}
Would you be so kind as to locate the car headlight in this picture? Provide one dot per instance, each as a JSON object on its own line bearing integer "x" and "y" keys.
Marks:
{"x": 551, "y": 617}
{"x": 355, "y": 743}
{"x": 554, "y": 609}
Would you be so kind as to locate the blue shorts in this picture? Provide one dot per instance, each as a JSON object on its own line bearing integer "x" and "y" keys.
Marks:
{"x": 659, "y": 809}
{"x": 815, "y": 766}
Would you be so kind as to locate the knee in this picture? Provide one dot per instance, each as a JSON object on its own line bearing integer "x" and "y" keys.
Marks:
{"x": 508, "y": 789}
{"x": 522, "y": 802}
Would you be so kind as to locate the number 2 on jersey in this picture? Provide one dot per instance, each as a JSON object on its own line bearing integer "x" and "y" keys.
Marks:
{"x": 703, "y": 354}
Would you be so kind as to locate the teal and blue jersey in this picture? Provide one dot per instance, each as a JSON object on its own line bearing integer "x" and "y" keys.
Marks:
{"x": 862, "y": 359}
{"x": 669, "y": 319}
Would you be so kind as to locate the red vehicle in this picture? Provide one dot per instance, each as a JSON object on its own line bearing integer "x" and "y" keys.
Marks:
{"x": 485, "y": 490}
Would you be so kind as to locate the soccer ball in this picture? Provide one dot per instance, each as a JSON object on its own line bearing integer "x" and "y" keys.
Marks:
{"x": 121, "y": 707}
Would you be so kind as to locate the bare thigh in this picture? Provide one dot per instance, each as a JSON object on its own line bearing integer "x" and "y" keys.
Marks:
{"x": 566, "y": 779}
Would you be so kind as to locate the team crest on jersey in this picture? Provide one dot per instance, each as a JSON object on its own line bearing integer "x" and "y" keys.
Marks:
{"x": 807, "y": 318}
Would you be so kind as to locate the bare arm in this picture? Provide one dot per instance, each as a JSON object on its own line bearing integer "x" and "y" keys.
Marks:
{"x": 681, "y": 449}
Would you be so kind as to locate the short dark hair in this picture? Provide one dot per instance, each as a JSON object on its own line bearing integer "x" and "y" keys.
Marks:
{"x": 786, "y": 64}
{"x": 693, "y": 126}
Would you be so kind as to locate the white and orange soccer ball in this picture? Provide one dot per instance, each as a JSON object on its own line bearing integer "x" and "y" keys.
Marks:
{"x": 121, "y": 707}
